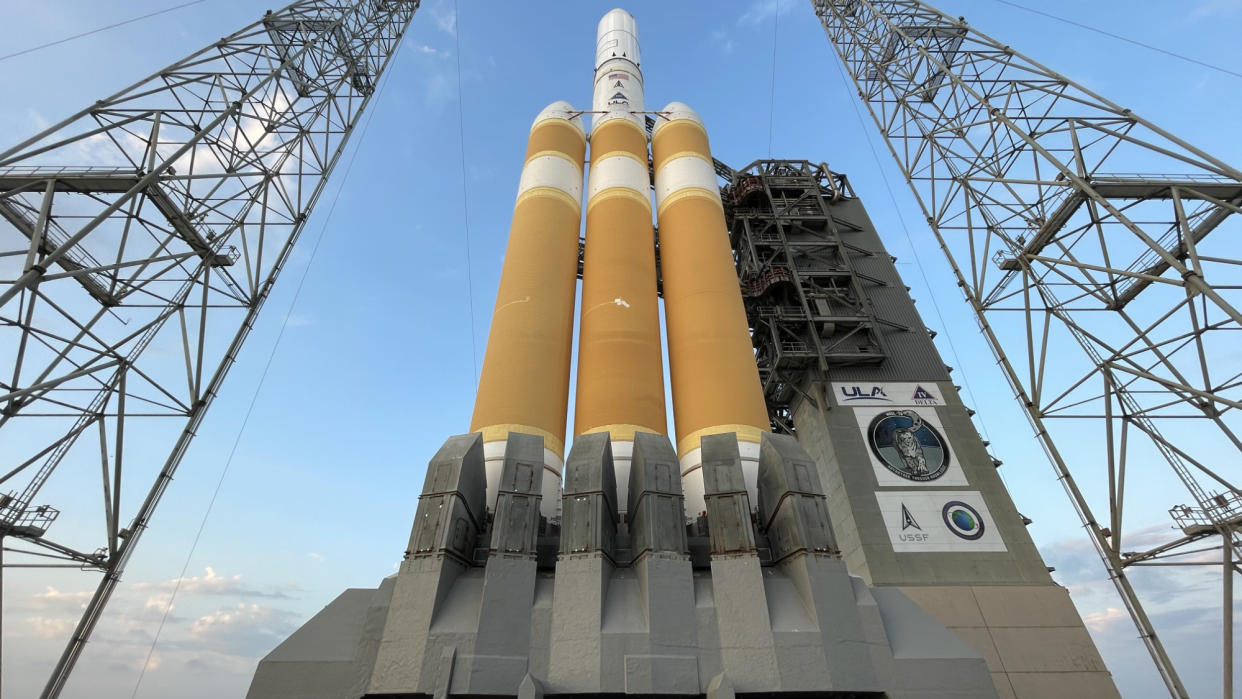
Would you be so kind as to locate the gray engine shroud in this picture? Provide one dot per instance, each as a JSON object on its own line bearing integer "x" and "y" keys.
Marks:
{"x": 647, "y": 606}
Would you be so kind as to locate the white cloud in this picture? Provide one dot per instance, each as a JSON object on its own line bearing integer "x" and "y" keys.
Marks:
{"x": 159, "y": 601}
{"x": 1105, "y": 620}
{"x": 317, "y": 556}
{"x": 211, "y": 583}
{"x": 298, "y": 320}
{"x": 428, "y": 51}
{"x": 724, "y": 42}
{"x": 445, "y": 17}
{"x": 55, "y": 599}
{"x": 244, "y": 630}
{"x": 229, "y": 620}
{"x": 49, "y": 628}
{"x": 765, "y": 10}
{"x": 221, "y": 663}
{"x": 1215, "y": 8}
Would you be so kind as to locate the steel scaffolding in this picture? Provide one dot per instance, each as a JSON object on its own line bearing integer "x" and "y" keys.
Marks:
{"x": 140, "y": 238}
{"x": 1102, "y": 291}
{"x": 808, "y": 308}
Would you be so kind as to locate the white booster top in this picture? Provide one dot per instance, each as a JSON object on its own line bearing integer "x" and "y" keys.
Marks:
{"x": 618, "y": 79}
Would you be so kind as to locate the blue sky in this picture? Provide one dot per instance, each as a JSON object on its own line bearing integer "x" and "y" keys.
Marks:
{"x": 375, "y": 367}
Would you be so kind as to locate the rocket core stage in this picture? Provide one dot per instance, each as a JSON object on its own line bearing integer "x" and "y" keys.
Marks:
{"x": 620, "y": 387}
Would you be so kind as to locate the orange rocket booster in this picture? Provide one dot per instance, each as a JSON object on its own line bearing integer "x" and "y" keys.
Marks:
{"x": 524, "y": 386}
{"x": 716, "y": 387}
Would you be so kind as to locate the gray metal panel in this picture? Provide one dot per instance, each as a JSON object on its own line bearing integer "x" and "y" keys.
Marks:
{"x": 724, "y": 488}
{"x": 589, "y": 502}
{"x": 515, "y": 525}
{"x": 656, "y": 510}
{"x": 448, "y": 520}
{"x": 792, "y": 506}
{"x": 911, "y": 354}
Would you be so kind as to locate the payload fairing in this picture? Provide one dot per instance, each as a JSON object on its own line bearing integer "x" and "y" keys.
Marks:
{"x": 722, "y": 565}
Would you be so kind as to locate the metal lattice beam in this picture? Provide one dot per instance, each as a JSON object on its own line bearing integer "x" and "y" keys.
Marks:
{"x": 139, "y": 239}
{"x": 1127, "y": 283}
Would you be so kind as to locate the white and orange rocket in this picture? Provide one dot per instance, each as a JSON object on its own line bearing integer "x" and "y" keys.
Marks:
{"x": 524, "y": 386}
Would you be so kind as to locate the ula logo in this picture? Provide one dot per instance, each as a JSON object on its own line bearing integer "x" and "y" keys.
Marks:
{"x": 861, "y": 393}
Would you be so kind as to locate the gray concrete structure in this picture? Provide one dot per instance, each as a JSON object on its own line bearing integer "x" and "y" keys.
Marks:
{"x": 644, "y": 606}
{"x": 914, "y": 498}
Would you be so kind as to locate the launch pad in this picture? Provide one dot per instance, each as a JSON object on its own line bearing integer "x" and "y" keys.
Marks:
{"x": 631, "y": 607}
{"x": 825, "y": 522}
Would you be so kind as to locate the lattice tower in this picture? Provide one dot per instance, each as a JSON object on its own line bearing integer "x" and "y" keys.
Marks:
{"x": 140, "y": 238}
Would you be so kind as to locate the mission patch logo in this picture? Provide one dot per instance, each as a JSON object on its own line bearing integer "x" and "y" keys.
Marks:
{"x": 908, "y": 445}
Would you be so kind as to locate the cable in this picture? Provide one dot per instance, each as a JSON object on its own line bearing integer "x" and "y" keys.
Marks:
{"x": 100, "y": 29}
{"x": 259, "y": 387}
{"x": 465, "y": 202}
{"x": 1118, "y": 37}
{"x": 776, "y": 23}
{"x": 918, "y": 263}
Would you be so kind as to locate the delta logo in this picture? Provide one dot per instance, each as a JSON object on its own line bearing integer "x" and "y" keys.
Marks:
{"x": 922, "y": 396}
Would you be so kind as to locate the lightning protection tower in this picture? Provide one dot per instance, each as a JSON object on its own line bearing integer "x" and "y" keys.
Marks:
{"x": 1099, "y": 254}
{"x": 140, "y": 238}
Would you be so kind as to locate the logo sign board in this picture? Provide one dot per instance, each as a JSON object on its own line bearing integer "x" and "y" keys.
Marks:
{"x": 907, "y": 446}
{"x": 926, "y": 521}
{"x": 899, "y": 394}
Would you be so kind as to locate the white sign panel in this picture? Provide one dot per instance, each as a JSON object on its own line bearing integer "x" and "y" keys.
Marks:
{"x": 907, "y": 446}
{"x": 849, "y": 394}
{"x": 921, "y": 520}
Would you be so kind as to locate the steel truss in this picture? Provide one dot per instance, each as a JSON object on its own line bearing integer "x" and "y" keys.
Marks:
{"x": 809, "y": 308}
{"x": 1070, "y": 260}
{"x": 139, "y": 239}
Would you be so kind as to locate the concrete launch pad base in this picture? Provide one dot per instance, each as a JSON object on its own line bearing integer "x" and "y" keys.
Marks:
{"x": 732, "y": 604}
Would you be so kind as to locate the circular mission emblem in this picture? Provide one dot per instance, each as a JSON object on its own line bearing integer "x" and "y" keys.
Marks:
{"x": 963, "y": 520}
{"x": 908, "y": 446}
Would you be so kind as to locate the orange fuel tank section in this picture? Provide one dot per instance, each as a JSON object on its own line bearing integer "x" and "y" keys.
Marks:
{"x": 524, "y": 385}
{"x": 716, "y": 387}
{"x": 620, "y": 369}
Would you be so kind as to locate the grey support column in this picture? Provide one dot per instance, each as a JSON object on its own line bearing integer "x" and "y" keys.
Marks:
{"x": 662, "y": 564}
{"x": 446, "y": 528}
{"x": 502, "y": 646}
{"x": 794, "y": 512}
{"x": 747, "y": 649}
{"x": 584, "y": 567}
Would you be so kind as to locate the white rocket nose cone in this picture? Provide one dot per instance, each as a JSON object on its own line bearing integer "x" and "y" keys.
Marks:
{"x": 675, "y": 111}
{"x": 559, "y": 110}
{"x": 616, "y": 19}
